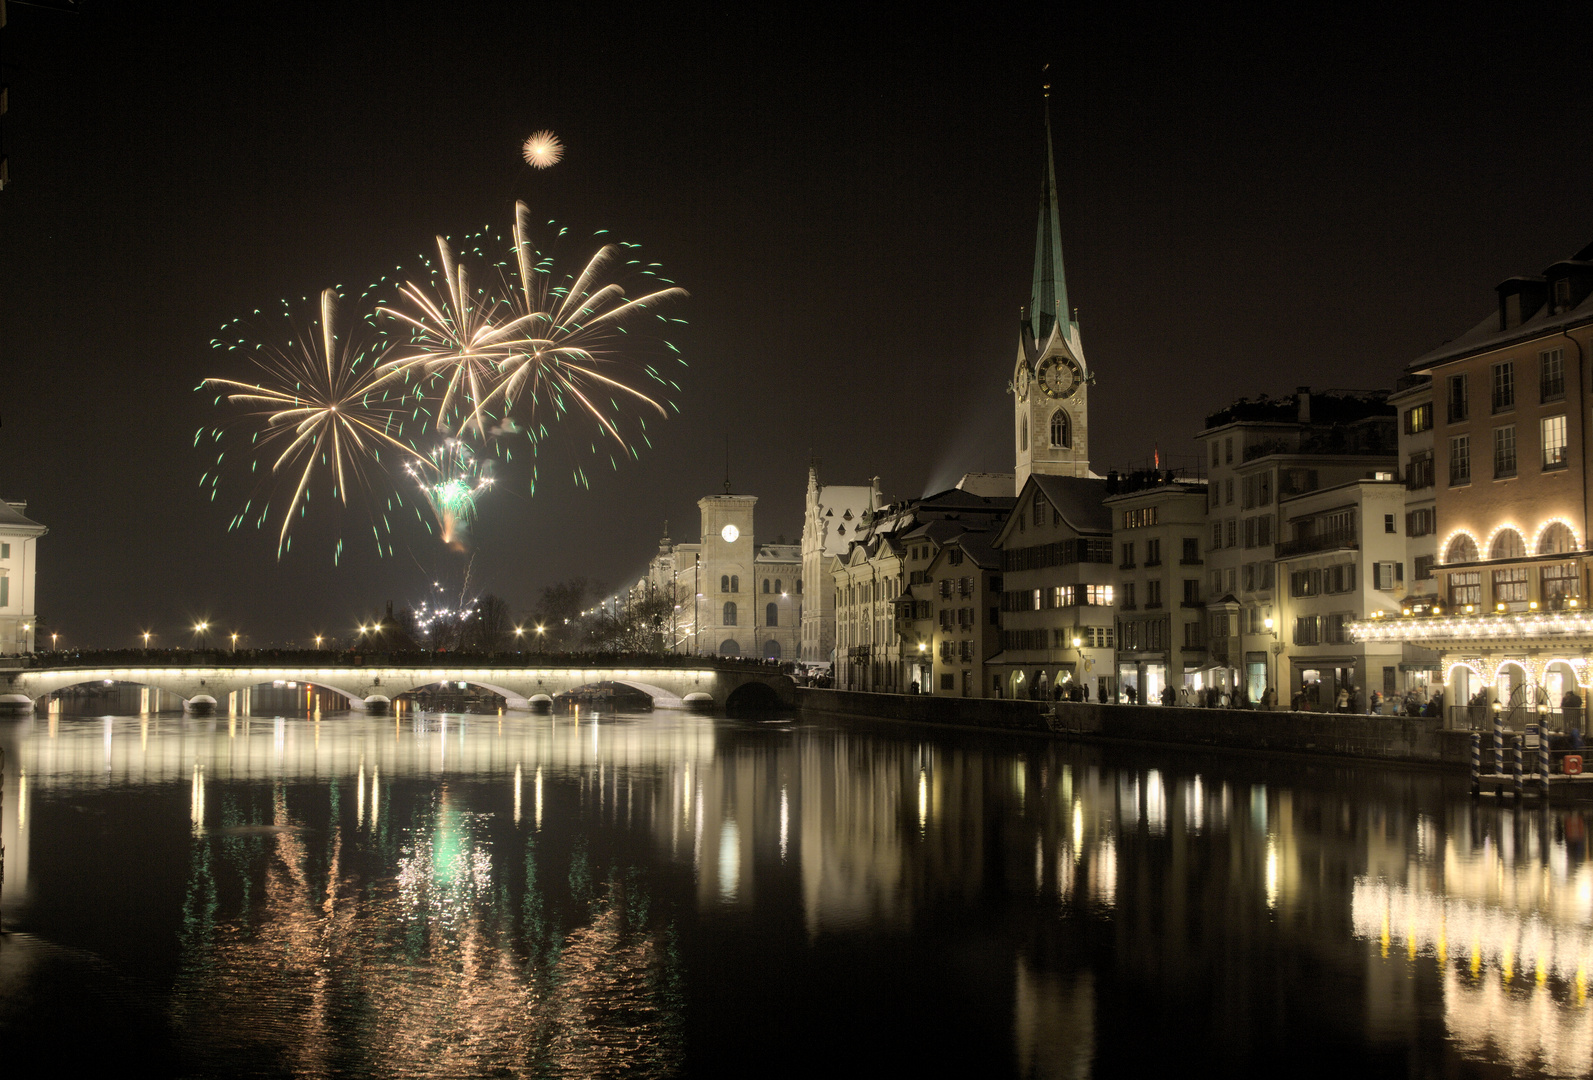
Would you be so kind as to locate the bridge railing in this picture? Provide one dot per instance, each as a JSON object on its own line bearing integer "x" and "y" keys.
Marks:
{"x": 98, "y": 658}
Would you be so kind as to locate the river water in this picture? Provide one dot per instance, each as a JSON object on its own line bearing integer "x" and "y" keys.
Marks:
{"x": 670, "y": 894}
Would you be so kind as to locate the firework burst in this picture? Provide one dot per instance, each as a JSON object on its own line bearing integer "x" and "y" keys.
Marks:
{"x": 573, "y": 349}
{"x": 458, "y": 338}
{"x": 452, "y": 478}
{"x": 322, "y": 416}
{"x": 542, "y": 150}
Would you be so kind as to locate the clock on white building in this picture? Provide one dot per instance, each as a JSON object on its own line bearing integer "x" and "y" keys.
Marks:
{"x": 730, "y": 532}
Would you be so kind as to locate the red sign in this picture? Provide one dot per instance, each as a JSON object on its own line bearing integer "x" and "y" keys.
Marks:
{"x": 1573, "y": 764}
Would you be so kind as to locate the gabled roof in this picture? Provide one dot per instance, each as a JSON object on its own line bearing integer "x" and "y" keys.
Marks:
{"x": 980, "y": 549}
{"x": 12, "y": 520}
{"x": 1080, "y": 498}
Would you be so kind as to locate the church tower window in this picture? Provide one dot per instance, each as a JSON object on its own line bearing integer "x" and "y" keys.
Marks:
{"x": 1061, "y": 429}
{"x": 771, "y": 615}
{"x": 730, "y": 613}
{"x": 724, "y": 583}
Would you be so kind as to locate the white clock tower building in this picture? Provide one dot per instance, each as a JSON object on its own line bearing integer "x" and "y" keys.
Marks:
{"x": 1051, "y": 382}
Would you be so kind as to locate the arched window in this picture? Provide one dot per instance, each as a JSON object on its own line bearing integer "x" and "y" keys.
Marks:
{"x": 728, "y": 647}
{"x": 1507, "y": 545}
{"x": 1061, "y": 429}
{"x": 735, "y": 583}
{"x": 724, "y": 583}
{"x": 771, "y": 649}
{"x": 771, "y": 615}
{"x": 765, "y": 584}
{"x": 1023, "y": 436}
{"x": 1039, "y": 509}
{"x": 777, "y": 587}
{"x": 1557, "y": 539}
{"x": 1462, "y": 549}
{"x": 730, "y": 613}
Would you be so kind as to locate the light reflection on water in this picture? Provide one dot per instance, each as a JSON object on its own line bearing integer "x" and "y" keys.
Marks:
{"x": 667, "y": 893}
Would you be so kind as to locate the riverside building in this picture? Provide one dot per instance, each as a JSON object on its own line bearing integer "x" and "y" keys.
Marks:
{"x": 1510, "y": 400}
{"x": 1259, "y": 453}
{"x": 19, "y": 560}
{"x": 1158, "y": 522}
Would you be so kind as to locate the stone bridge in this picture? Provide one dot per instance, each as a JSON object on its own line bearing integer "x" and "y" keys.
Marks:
{"x": 373, "y": 685}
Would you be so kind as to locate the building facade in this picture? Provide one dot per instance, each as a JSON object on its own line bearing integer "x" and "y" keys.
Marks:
{"x": 1258, "y": 453}
{"x": 19, "y": 560}
{"x": 831, "y": 518}
{"x": 1343, "y": 558}
{"x": 732, "y": 595}
{"x": 1056, "y": 604}
{"x": 1511, "y": 473}
{"x": 1158, "y": 525}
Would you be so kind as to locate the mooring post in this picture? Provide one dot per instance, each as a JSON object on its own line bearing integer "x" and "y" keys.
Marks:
{"x": 2, "y": 842}
{"x": 1520, "y": 779}
{"x": 1476, "y": 761}
{"x": 1543, "y": 760}
{"x": 1498, "y": 742}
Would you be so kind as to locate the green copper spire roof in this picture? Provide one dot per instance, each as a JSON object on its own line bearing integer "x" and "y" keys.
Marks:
{"x": 1049, "y": 298}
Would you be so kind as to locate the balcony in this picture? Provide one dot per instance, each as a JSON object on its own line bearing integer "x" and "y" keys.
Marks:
{"x": 1335, "y": 540}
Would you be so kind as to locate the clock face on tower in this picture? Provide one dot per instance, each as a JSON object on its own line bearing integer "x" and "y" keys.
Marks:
{"x": 1059, "y": 376}
{"x": 730, "y": 532}
{"x": 1020, "y": 380}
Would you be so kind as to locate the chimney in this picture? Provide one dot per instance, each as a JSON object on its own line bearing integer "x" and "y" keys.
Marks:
{"x": 1111, "y": 482}
{"x": 1302, "y": 397}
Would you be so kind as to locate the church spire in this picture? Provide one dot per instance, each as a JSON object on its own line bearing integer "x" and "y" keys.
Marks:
{"x": 1048, "y": 300}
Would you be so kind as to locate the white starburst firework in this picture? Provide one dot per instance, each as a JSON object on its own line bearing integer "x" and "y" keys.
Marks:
{"x": 543, "y": 150}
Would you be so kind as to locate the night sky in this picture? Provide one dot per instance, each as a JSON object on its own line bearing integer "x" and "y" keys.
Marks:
{"x": 1247, "y": 206}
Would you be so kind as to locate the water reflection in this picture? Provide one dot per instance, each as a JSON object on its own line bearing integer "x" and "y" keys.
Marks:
{"x": 1498, "y": 902}
{"x": 446, "y": 895}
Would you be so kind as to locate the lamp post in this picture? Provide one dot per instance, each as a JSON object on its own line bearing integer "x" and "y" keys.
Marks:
{"x": 235, "y": 641}
{"x": 318, "y": 639}
{"x": 146, "y": 640}
{"x": 1276, "y": 651}
{"x": 55, "y": 641}
{"x": 541, "y": 630}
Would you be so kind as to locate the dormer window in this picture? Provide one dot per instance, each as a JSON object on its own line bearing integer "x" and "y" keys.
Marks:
{"x": 1562, "y": 294}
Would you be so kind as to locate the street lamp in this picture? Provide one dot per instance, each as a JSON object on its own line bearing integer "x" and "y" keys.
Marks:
{"x": 55, "y": 640}
{"x": 318, "y": 640}
{"x": 146, "y": 640}
{"x": 235, "y": 641}
{"x": 540, "y": 631}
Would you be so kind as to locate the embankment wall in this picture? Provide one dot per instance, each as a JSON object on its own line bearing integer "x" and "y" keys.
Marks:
{"x": 1382, "y": 738}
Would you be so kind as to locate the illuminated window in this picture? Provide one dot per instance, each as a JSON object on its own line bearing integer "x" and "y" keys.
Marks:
{"x": 1462, "y": 549}
{"x": 1419, "y": 419}
{"x": 1507, "y": 545}
{"x": 1557, "y": 539}
{"x": 1510, "y": 586}
{"x": 1552, "y": 429}
{"x": 1560, "y": 581}
{"x": 1465, "y": 588}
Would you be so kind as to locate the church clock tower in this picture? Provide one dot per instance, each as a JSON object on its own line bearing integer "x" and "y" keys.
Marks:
{"x": 1051, "y": 382}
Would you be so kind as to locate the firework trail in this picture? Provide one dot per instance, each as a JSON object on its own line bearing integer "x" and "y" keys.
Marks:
{"x": 452, "y": 478}
{"x": 322, "y": 415}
